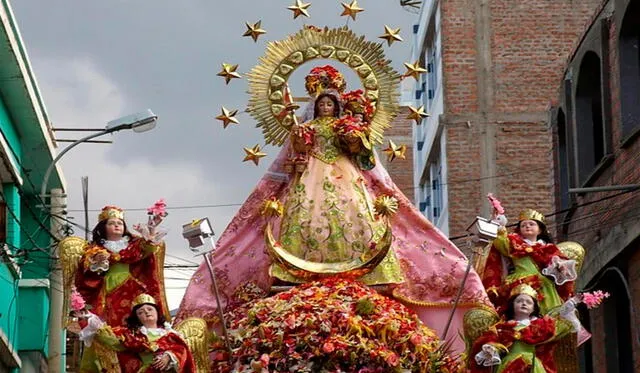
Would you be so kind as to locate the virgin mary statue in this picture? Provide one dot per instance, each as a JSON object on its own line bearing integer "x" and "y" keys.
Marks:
{"x": 330, "y": 184}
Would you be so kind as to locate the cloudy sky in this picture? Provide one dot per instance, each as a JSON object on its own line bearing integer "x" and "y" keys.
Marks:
{"x": 100, "y": 60}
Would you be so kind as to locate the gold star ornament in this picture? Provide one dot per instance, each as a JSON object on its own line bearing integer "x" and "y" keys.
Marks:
{"x": 227, "y": 117}
{"x": 299, "y": 8}
{"x": 417, "y": 114}
{"x": 394, "y": 151}
{"x": 229, "y": 72}
{"x": 254, "y": 30}
{"x": 351, "y": 10}
{"x": 254, "y": 154}
{"x": 386, "y": 206}
{"x": 414, "y": 70}
{"x": 391, "y": 35}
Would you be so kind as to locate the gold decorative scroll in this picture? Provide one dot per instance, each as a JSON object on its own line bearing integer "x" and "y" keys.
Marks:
{"x": 307, "y": 270}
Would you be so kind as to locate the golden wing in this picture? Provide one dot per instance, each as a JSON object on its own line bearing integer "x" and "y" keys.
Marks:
{"x": 573, "y": 250}
{"x": 160, "y": 254}
{"x": 194, "y": 332}
{"x": 71, "y": 250}
{"x": 477, "y": 321}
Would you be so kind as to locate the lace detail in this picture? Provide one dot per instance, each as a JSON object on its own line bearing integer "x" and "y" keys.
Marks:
{"x": 488, "y": 356}
{"x": 116, "y": 246}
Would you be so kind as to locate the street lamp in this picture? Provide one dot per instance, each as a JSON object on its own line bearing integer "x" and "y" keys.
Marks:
{"x": 138, "y": 122}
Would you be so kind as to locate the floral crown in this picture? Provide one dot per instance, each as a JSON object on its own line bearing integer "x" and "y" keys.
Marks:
{"x": 111, "y": 212}
{"x": 355, "y": 102}
{"x": 322, "y": 78}
{"x": 143, "y": 299}
{"x": 530, "y": 214}
{"x": 524, "y": 289}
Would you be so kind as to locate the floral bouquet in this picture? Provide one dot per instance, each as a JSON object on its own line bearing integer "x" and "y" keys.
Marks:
{"x": 355, "y": 103}
{"x": 156, "y": 213}
{"x": 352, "y": 134}
{"x": 303, "y": 138}
{"x": 322, "y": 78}
{"x": 332, "y": 325}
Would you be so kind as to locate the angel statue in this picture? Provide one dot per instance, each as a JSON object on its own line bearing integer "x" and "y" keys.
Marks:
{"x": 147, "y": 343}
{"x": 115, "y": 268}
{"x": 326, "y": 207}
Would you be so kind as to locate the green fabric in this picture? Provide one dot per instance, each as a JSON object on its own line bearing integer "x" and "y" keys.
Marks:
{"x": 117, "y": 274}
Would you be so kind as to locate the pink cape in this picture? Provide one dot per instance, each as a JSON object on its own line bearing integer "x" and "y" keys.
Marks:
{"x": 433, "y": 267}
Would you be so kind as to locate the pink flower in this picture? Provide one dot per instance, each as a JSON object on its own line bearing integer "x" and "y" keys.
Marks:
{"x": 264, "y": 359}
{"x": 77, "y": 301}
{"x": 416, "y": 339}
{"x": 328, "y": 347}
{"x": 593, "y": 299}
{"x": 497, "y": 206}
{"x": 392, "y": 359}
{"x": 159, "y": 208}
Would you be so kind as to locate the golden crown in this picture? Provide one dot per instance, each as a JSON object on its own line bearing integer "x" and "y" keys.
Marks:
{"x": 524, "y": 289}
{"x": 143, "y": 299}
{"x": 530, "y": 214}
{"x": 111, "y": 212}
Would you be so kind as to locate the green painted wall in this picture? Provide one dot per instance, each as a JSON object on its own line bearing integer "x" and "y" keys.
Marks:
{"x": 12, "y": 199}
{"x": 8, "y": 303}
{"x": 10, "y": 134}
{"x": 35, "y": 239}
{"x": 33, "y": 303}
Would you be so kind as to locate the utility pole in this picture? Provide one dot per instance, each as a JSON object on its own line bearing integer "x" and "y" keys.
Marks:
{"x": 56, "y": 333}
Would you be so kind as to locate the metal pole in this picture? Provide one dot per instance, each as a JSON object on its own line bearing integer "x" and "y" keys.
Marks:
{"x": 45, "y": 180}
{"x": 606, "y": 188}
{"x": 85, "y": 205}
{"x": 217, "y": 295}
{"x": 56, "y": 334}
{"x": 459, "y": 295}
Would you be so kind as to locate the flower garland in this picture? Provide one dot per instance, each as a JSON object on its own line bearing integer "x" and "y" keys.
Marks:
{"x": 333, "y": 325}
{"x": 322, "y": 78}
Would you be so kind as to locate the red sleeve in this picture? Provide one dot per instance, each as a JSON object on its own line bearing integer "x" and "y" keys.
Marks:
{"x": 133, "y": 253}
{"x": 178, "y": 347}
{"x": 492, "y": 276}
{"x": 133, "y": 341}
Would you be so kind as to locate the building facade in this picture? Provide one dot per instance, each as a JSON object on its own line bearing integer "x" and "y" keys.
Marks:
{"x": 26, "y": 150}
{"x": 492, "y": 70}
{"x": 596, "y": 120}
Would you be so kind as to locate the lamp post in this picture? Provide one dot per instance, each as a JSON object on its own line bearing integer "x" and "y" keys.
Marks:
{"x": 139, "y": 122}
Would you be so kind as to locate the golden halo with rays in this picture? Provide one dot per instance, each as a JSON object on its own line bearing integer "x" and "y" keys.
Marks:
{"x": 268, "y": 79}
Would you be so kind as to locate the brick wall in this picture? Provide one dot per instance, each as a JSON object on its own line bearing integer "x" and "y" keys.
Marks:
{"x": 608, "y": 229}
{"x": 503, "y": 63}
{"x": 401, "y": 170}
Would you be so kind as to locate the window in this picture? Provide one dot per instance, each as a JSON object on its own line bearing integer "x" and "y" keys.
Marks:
{"x": 589, "y": 123}
{"x": 629, "y": 46}
{"x": 563, "y": 160}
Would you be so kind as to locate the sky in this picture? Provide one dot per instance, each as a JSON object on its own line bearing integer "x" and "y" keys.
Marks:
{"x": 96, "y": 61}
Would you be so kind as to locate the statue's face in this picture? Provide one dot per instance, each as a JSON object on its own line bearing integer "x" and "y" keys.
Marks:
{"x": 114, "y": 229}
{"x": 147, "y": 315}
{"x": 529, "y": 228}
{"x": 523, "y": 306}
{"x": 326, "y": 107}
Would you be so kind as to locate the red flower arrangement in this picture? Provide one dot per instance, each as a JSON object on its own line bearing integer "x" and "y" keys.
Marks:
{"x": 355, "y": 102}
{"x": 322, "y": 78}
{"x": 352, "y": 134}
{"x": 333, "y": 325}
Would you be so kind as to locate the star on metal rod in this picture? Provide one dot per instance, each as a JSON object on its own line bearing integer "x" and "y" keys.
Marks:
{"x": 417, "y": 114}
{"x": 414, "y": 70}
{"x": 299, "y": 8}
{"x": 391, "y": 35}
{"x": 228, "y": 72}
{"x": 394, "y": 151}
{"x": 228, "y": 117}
{"x": 351, "y": 10}
{"x": 254, "y": 30}
{"x": 254, "y": 154}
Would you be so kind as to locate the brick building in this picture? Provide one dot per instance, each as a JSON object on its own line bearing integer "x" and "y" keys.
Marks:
{"x": 493, "y": 68}
{"x": 597, "y": 122}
